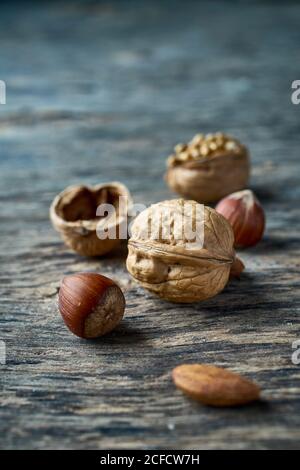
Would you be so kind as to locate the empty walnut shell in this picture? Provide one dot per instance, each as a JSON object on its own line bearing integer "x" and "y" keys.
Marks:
{"x": 73, "y": 215}
{"x": 208, "y": 168}
{"x": 177, "y": 267}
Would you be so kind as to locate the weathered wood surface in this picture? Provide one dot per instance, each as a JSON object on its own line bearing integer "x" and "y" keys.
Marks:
{"x": 101, "y": 91}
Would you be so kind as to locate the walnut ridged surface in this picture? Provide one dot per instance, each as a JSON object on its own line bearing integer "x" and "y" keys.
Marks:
{"x": 172, "y": 267}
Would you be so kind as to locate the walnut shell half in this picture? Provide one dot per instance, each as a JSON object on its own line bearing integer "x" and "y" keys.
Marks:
{"x": 176, "y": 267}
{"x": 73, "y": 215}
{"x": 209, "y": 168}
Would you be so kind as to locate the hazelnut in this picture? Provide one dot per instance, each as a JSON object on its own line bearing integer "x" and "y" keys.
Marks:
{"x": 237, "y": 268}
{"x": 91, "y": 304}
{"x": 246, "y": 216}
{"x": 73, "y": 215}
{"x": 219, "y": 168}
{"x": 169, "y": 262}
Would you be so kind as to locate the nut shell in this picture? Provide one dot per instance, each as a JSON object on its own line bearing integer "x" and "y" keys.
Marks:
{"x": 173, "y": 268}
{"x": 73, "y": 215}
{"x": 91, "y": 304}
{"x": 246, "y": 216}
{"x": 210, "y": 174}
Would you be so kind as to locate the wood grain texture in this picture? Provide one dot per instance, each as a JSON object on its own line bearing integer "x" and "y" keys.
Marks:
{"x": 102, "y": 91}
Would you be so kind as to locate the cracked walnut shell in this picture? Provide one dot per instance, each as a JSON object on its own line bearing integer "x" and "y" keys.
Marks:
{"x": 182, "y": 266}
{"x": 208, "y": 168}
{"x": 74, "y": 215}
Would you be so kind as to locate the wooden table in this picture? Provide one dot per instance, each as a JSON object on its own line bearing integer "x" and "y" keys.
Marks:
{"x": 102, "y": 91}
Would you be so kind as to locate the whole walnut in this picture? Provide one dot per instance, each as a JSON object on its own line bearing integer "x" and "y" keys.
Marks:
{"x": 182, "y": 251}
{"x": 208, "y": 168}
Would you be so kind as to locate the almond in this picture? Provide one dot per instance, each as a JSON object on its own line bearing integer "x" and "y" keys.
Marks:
{"x": 213, "y": 385}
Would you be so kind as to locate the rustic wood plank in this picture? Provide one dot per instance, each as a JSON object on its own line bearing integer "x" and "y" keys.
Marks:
{"x": 99, "y": 92}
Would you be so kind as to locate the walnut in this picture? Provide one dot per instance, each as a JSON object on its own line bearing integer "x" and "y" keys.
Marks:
{"x": 181, "y": 250}
{"x": 208, "y": 168}
{"x": 74, "y": 215}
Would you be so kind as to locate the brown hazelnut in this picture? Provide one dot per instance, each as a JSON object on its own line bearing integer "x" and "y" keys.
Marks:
{"x": 173, "y": 265}
{"x": 246, "y": 216}
{"x": 73, "y": 215}
{"x": 91, "y": 304}
{"x": 237, "y": 268}
{"x": 219, "y": 167}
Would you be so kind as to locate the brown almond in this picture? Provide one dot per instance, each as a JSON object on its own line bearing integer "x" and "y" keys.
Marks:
{"x": 213, "y": 385}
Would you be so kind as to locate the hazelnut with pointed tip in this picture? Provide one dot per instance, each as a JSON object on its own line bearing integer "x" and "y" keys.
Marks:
{"x": 91, "y": 304}
{"x": 246, "y": 216}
